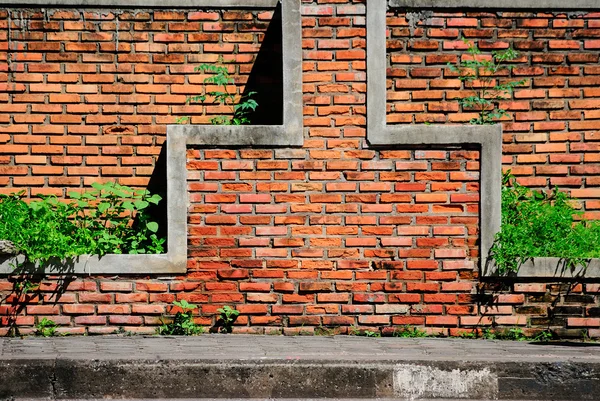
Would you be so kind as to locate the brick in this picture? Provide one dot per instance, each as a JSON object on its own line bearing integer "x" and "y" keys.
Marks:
{"x": 583, "y": 322}
{"x": 78, "y": 309}
{"x": 530, "y": 288}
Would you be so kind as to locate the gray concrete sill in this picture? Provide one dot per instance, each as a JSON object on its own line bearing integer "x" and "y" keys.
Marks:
{"x": 240, "y": 135}
{"x": 549, "y": 269}
{"x": 108, "y": 264}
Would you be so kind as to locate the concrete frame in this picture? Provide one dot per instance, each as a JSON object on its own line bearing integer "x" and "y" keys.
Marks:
{"x": 487, "y": 138}
{"x": 180, "y": 136}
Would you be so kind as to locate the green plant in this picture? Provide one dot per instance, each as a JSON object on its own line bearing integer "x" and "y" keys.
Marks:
{"x": 325, "y": 331}
{"x": 585, "y": 337}
{"x": 537, "y": 224}
{"x": 24, "y": 285}
{"x": 468, "y": 335}
{"x": 356, "y": 331}
{"x": 543, "y": 336}
{"x": 183, "y": 323}
{"x": 513, "y": 334}
{"x": 509, "y": 334}
{"x": 119, "y": 223}
{"x": 480, "y": 73}
{"x": 219, "y": 76}
{"x": 109, "y": 218}
{"x": 227, "y": 318}
{"x": 45, "y": 327}
{"x": 488, "y": 334}
{"x": 408, "y": 331}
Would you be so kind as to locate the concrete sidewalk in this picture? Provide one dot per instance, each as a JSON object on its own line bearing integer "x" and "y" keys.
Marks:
{"x": 263, "y": 367}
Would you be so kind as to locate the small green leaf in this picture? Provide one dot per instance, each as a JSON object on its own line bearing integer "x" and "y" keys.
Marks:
{"x": 152, "y": 226}
{"x": 128, "y": 205}
{"x": 155, "y": 199}
{"x": 141, "y": 204}
{"x": 103, "y": 207}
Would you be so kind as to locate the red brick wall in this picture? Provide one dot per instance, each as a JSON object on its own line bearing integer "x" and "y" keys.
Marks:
{"x": 75, "y": 109}
{"x": 551, "y": 132}
{"x": 334, "y": 234}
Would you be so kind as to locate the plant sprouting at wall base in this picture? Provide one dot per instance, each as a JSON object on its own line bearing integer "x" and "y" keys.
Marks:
{"x": 479, "y": 73}
{"x": 408, "y": 331}
{"x": 220, "y": 77}
{"x": 45, "y": 327}
{"x": 183, "y": 322}
{"x": 227, "y": 317}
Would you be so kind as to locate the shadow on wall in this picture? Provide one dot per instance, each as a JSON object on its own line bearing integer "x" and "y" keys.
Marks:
{"x": 266, "y": 77}
{"x": 158, "y": 185}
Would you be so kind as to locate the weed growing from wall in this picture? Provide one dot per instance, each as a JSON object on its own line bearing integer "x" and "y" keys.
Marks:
{"x": 480, "y": 73}
{"x": 219, "y": 76}
{"x": 227, "y": 317}
{"x": 45, "y": 327}
{"x": 408, "y": 331}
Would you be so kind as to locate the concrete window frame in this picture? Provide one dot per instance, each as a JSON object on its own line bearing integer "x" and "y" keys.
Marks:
{"x": 179, "y": 137}
{"x": 487, "y": 138}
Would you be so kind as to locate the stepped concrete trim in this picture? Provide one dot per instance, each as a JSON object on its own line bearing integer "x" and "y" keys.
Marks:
{"x": 488, "y": 139}
{"x": 290, "y": 134}
{"x": 554, "y": 5}
{"x": 218, "y": 366}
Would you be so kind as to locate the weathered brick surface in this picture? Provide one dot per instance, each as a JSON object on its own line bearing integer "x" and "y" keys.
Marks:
{"x": 333, "y": 234}
{"x": 85, "y": 96}
{"x": 355, "y": 237}
{"x": 551, "y": 131}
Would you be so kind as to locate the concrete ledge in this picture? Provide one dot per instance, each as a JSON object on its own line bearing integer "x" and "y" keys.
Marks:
{"x": 487, "y": 138}
{"x": 217, "y": 366}
{"x": 544, "y": 5}
{"x": 549, "y": 268}
{"x": 237, "y": 136}
{"x": 202, "y": 4}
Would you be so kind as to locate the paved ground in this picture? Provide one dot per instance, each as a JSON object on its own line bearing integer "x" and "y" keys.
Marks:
{"x": 265, "y": 367}
{"x": 335, "y": 348}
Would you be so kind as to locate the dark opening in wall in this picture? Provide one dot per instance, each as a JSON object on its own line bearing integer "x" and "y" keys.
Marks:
{"x": 266, "y": 77}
